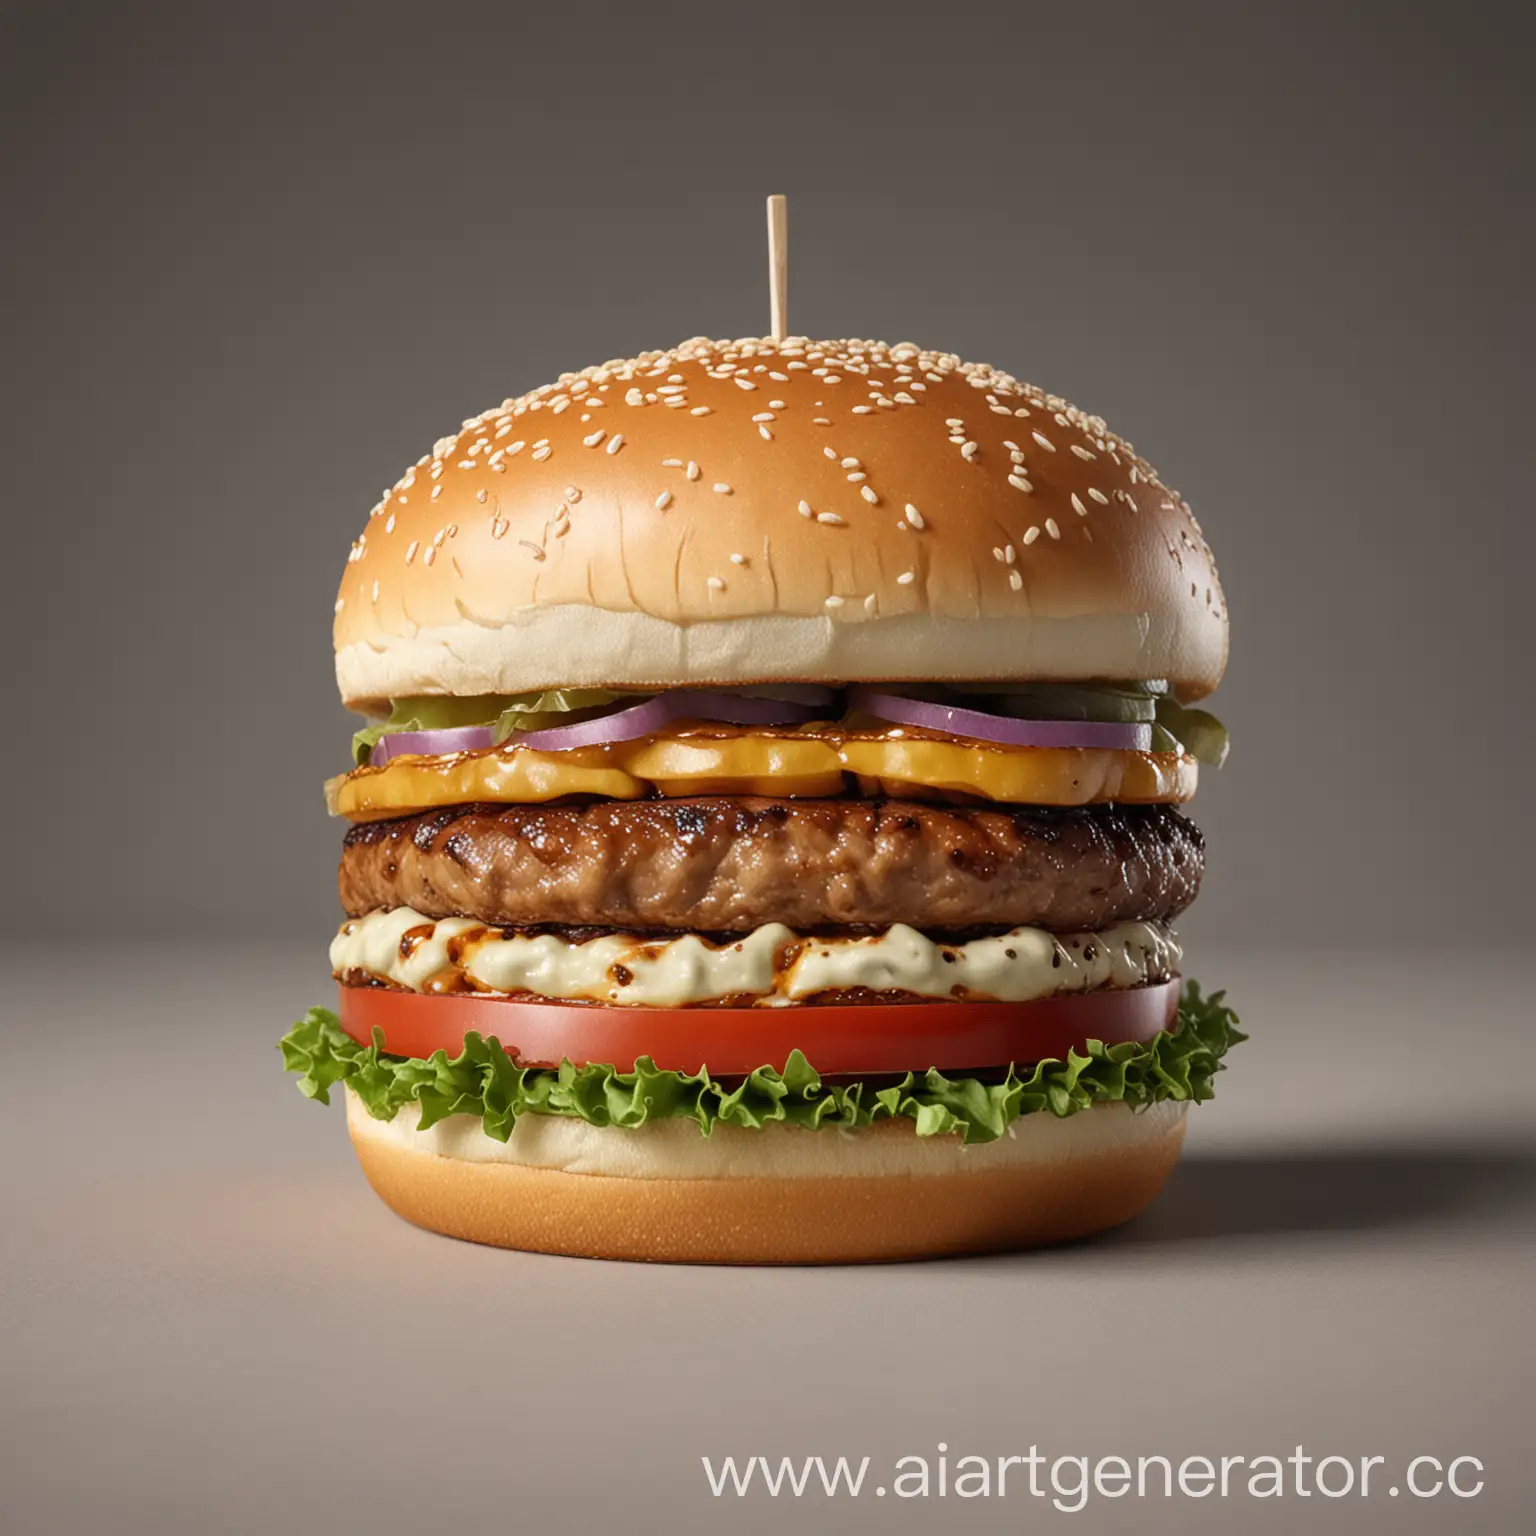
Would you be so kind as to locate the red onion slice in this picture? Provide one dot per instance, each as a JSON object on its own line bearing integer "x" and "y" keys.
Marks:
{"x": 461, "y": 738}
{"x": 623, "y": 725}
{"x": 1000, "y": 728}
{"x": 680, "y": 703}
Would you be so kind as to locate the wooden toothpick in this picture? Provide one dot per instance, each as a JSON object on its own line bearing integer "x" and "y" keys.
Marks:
{"x": 778, "y": 265}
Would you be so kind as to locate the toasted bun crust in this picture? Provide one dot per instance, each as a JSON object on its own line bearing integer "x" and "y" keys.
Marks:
{"x": 737, "y": 512}
{"x": 781, "y": 1195}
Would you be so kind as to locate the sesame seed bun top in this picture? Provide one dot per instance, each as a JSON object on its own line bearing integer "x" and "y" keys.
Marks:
{"x": 736, "y": 512}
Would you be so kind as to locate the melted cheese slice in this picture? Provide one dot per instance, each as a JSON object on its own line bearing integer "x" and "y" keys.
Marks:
{"x": 772, "y": 965}
{"x": 712, "y": 761}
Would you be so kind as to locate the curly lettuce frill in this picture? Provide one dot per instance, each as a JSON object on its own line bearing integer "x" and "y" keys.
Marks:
{"x": 484, "y": 1081}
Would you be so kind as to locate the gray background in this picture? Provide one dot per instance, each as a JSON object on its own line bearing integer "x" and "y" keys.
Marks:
{"x": 256, "y": 258}
{"x": 253, "y": 259}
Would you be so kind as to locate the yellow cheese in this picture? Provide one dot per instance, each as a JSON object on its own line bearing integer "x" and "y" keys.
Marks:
{"x": 1020, "y": 775}
{"x": 718, "y": 761}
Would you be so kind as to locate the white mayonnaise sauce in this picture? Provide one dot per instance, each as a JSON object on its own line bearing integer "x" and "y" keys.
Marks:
{"x": 772, "y": 965}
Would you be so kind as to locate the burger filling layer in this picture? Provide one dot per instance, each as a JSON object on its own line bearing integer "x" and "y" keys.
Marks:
{"x": 730, "y": 865}
{"x": 771, "y": 966}
{"x": 706, "y": 760}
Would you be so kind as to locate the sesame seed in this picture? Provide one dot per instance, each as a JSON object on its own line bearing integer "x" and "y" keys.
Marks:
{"x": 410, "y": 550}
{"x": 615, "y": 443}
{"x": 592, "y": 439}
{"x": 1098, "y": 495}
{"x": 763, "y": 416}
{"x": 831, "y": 519}
{"x": 744, "y": 383}
{"x": 805, "y": 509}
{"x": 634, "y": 397}
{"x": 722, "y": 488}
{"x": 692, "y": 471}
{"x": 375, "y": 591}
{"x": 968, "y": 451}
{"x": 850, "y": 463}
{"x": 953, "y": 421}
{"x": 1051, "y": 528}
{"x": 765, "y": 434}
{"x": 664, "y": 501}
{"x": 1019, "y": 483}
{"x": 389, "y": 523}
{"x": 1015, "y": 580}
{"x": 997, "y": 554}
{"x": 1010, "y": 445}
{"x": 1010, "y": 554}
{"x": 857, "y": 475}
{"x": 863, "y": 410}
{"x": 516, "y": 447}
{"x": 430, "y": 555}
{"x": 1081, "y": 452}
{"x": 437, "y": 491}
{"x": 1030, "y": 535}
{"x": 777, "y": 405}
{"x": 1077, "y": 505}
{"x": 480, "y": 495}
{"x": 738, "y": 559}
{"x": 820, "y": 421}
{"x": 868, "y": 493}
{"x": 1044, "y": 441}
{"x": 906, "y": 578}
{"x": 700, "y": 410}
{"x": 915, "y": 517}
{"x": 671, "y": 463}
{"x": 715, "y": 584}
{"x": 466, "y": 463}
{"x": 834, "y": 601}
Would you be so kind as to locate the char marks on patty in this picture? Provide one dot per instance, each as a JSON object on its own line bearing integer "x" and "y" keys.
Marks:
{"x": 729, "y": 865}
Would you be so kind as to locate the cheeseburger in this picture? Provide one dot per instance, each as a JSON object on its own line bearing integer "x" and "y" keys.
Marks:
{"x": 767, "y": 833}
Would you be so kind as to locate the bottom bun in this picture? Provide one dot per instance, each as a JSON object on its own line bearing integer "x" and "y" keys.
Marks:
{"x": 780, "y": 1195}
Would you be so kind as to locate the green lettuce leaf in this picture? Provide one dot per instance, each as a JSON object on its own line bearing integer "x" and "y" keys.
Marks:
{"x": 484, "y": 1081}
{"x": 1197, "y": 731}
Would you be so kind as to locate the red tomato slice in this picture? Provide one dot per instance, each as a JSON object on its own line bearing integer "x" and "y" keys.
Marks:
{"x": 837, "y": 1039}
